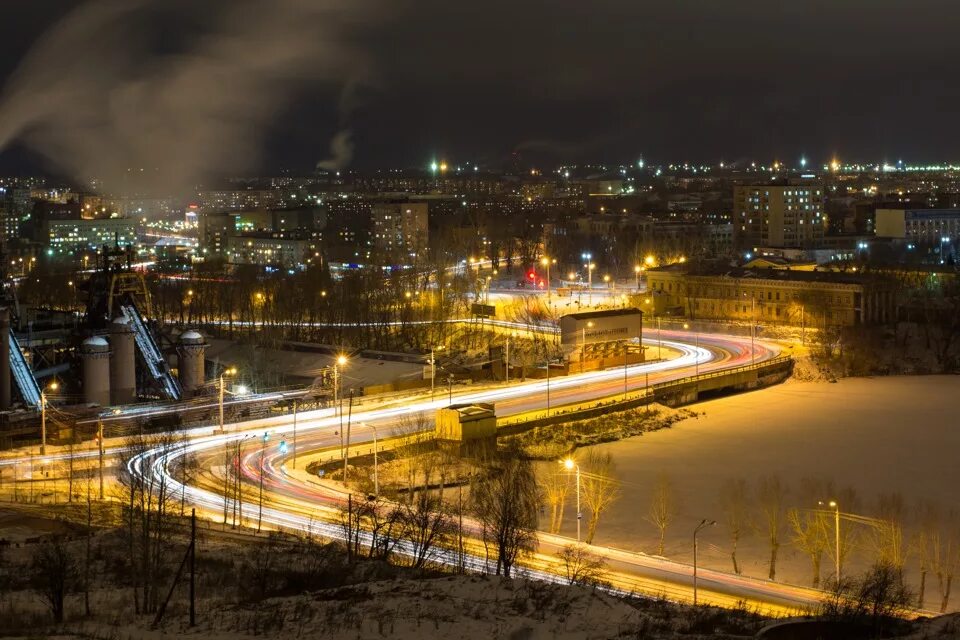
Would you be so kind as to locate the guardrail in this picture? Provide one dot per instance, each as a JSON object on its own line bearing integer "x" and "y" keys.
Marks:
{"x": 720, "y": 373}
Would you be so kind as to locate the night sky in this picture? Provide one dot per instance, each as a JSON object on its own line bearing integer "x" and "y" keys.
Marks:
{"x": 566, "y": 81}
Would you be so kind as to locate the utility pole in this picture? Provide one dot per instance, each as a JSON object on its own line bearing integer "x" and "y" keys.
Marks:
{"x": 376, "y": 477}
{"x": 625, "y": 346}
{"x": 507, "y": 361}
{"x": 295, "y": 434}
{"x": 193, "y": 567}
{"x": 43, "y": 423}
{"x": 263, "y": 453}
{"x": 100, "y": 452}
{"x": 703, "y": 523}
{"x": 346, "y": 455}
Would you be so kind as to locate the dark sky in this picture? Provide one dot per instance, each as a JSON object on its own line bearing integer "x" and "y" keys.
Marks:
{"x": 605, "y": 80}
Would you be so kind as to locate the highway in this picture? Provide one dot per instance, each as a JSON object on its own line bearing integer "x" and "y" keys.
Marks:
{"x": 294, "y": 500}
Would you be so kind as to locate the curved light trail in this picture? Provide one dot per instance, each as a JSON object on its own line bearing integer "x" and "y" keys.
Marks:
{"x": 293, "y": 503}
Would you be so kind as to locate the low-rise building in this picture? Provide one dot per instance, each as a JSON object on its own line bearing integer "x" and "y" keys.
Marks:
{"x": 780, "y": 296}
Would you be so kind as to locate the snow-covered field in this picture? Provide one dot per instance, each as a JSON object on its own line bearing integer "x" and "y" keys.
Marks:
{"x": 875, "y": 435}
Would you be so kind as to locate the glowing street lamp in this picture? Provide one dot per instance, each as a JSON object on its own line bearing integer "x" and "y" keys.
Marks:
{"x": 650, "y": 261}
{"x": 546, "y": 262}
{"x": 53, "y": 386}
{"x": 836, "y": 530}
{"x": 231, "y": 371}
{"x": 638, "y": 270}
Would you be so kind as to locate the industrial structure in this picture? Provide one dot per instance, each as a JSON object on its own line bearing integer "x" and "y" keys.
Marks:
{"x": 109, "y": 356}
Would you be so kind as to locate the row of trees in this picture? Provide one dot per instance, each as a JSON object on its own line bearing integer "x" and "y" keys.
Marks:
{"x": 891, "y": 536}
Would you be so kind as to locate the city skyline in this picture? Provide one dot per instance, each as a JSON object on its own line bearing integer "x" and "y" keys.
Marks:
{"x": 479, "y": 84}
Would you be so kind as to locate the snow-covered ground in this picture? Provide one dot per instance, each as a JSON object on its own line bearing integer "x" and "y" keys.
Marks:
{"x": 875, "y": 435}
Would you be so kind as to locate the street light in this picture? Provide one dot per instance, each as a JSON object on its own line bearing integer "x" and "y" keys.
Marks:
{"x": 589, "y": 266}
{"x": 836, "y": 530}
{"x": 703, "y": 523}
{"x": 341, "y": 360}
{"x": 571, "y": 466}
{"x": 53, "y": 386}
{"x": 638, "y": 270}
{"x": 696, "y": 337}
{"x": 263, "y": 449}
{"x": 433, "y": 367}
{"x": 583, "y": 343}
{"x": 231, "y": 371}
{"x": 545, "y": 261}
{"x": 376, "y": 477}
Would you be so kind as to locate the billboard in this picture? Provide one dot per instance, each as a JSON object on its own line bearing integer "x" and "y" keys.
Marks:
{"x": 594, "y": 327}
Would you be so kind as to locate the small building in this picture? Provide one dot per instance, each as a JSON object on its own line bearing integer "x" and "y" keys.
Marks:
{"x": 466, "y": 422}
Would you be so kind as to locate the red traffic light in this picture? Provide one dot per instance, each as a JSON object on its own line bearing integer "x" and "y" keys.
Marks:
{"x": 532, "y": 275}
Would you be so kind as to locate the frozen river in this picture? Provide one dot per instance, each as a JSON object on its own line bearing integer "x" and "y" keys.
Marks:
{"x": 874, "y": 435}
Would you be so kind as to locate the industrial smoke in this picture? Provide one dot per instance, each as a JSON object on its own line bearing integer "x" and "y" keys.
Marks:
{"x": 157, "y": 95}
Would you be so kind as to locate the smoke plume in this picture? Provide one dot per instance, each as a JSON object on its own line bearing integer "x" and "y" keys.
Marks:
{"x": 160, "y": 94}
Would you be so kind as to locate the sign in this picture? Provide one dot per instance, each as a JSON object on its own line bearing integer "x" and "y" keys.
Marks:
{"x": 483, "y": 310}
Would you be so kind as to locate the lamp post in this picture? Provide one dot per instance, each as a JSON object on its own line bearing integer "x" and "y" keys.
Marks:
{"x": 638, "y": 270}
{"x": 227, "y": 372}
{"x": 545, "y": 261}
{"x": 571, "y": 466}
{"x": 433, "y": 368}
{"x": 506, "y": 359}
{"x": 944, "y": 240}
{"x": 376, "y": 477}
{"x": 263, "y": 450}
{"x": 588, "y": 265}
{"x": 703, "y": 523}
{"x": 836, "y": 535}
{"x": 583, "y": 343}
{"x": 696, "y": 360}
{"x": 43, "y": 417}
{"x": 341, "y": 360}
{"x": 659, "y": 341}
{"x": 450, "y": 390}
{"x": 294, "y": 434}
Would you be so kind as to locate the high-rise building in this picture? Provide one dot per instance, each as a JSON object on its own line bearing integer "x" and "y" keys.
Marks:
{"x": 778, "y": 215}
{"x": 399, "y": 229}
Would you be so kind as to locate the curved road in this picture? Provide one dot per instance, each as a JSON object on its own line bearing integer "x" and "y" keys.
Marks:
{"x": 296, "y": 501}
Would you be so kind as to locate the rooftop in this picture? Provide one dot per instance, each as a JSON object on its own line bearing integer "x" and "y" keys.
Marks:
{"x": 606, "y": 313}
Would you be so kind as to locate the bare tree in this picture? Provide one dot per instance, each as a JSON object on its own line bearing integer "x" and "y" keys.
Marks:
{"x": 663, "y": 508}
{"x": 736, "y": 515}
{"x": 149, "y": 520}
{"x": 427, "y": 525}
{"x": 888, "y": 533}
{"x": 582, "y": 567}
{"x": 945, "y": 555}
{"x": 809, "y": 525}
{"x": 54, "y": 574}
{"x": 600, "y": 487}
{"x": 385, "y": 522}
{"x": 772, "y": 493}
{"x": 928, "y": 518}
{"x": 810, "y": 536}
{"x": 506, "y": 503}
{"x": 555, "y": 485}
